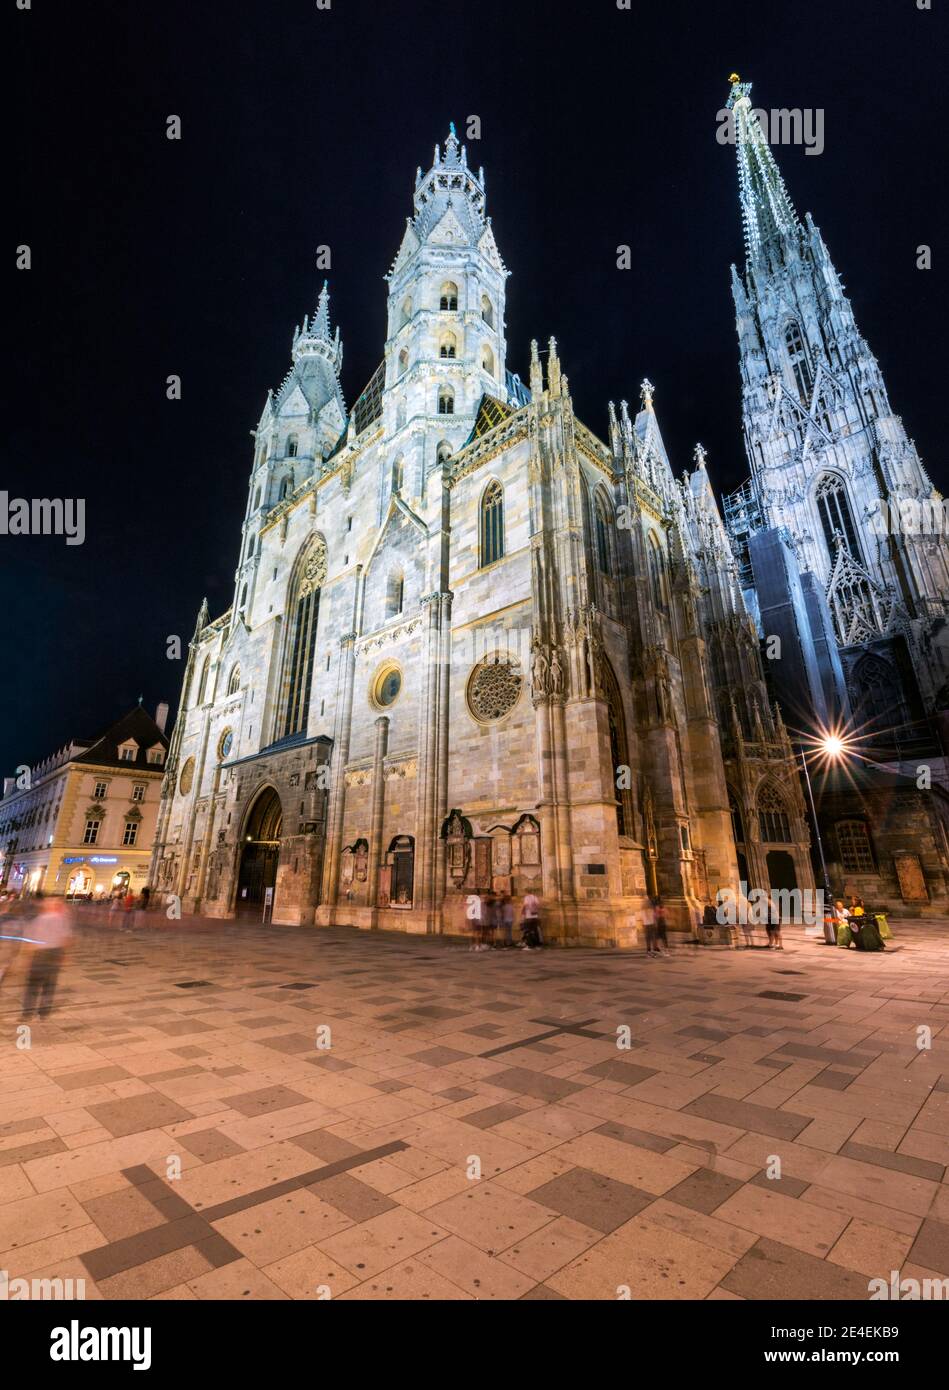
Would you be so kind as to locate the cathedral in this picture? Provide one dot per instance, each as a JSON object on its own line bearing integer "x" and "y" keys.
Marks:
{"x": 836, "y": 560}
{"x": 473, "y": 646}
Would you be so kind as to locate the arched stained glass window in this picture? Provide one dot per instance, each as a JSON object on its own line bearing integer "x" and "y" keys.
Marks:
{"x": 835, "y": 514}
{"x": 773, "y": 821}
{"x": 492, "y": 523}
{"x": 304, "y": 611}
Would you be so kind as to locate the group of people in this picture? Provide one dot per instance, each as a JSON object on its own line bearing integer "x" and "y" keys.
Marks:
{"x": 852, "y": 925}
{"x": 41, "y": 926}
{"x": 492, "y": 919}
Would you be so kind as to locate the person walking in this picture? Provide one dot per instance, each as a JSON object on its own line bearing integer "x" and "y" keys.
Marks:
{"x": 506, "y": 913}
{"x": 659, "y": 915}
{"x": 649, "y": 925}
{"x": 530, "y": 922}
{"x": 50, "y": 932}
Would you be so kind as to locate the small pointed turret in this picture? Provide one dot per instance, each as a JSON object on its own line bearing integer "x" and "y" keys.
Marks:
{"x": 553, "y": 370}
{"x": 537, "y": 372}
{"x": 315, "y": 338}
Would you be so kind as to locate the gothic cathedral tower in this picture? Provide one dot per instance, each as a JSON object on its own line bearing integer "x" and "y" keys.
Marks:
{"x": 831, "y": 463}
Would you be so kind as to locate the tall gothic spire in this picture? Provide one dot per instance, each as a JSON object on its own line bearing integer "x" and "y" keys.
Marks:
{"x": 766, "y": 209}
{"x": 315, "y": 337}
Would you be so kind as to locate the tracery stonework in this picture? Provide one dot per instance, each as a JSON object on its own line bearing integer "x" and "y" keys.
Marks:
{"x": 494, "y": 688}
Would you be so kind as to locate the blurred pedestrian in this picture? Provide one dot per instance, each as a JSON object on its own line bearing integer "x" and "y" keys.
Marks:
{"x": 507, "y": 919}
{"x": 530, "y": 922}
{"x": 50, "y": 932}
{"x": 659, "y": 916}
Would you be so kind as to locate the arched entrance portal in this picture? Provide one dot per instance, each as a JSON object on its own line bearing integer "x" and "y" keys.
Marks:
{"x": 260, "y": 855}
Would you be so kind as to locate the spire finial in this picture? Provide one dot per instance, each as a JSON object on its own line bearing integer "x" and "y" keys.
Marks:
{"x": 646, "y": 393}
{"x": 700, "y": 456}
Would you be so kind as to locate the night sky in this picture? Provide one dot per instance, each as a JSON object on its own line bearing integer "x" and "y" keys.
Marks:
{"x": 304, "y": 127}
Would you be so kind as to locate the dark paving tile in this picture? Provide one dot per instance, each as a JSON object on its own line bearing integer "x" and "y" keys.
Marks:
{"x": 493, "y": 1115}
{"x": 290, "y": 1043}
{"x": 97, "y": 1076}
{"x": 353, "y": 1198}
{"x": 137, "y": 1113}
{"x": 627, "y": 1073}
{"x": 389, "y": 1088}
{"x": 595, "y": 1200}
{"x": 710, "y": 1034}
{"x": 541, "y": 1292}
{"x": 773, "y": 1271}
{"x": 439, "y": 1056}
{"x": 24, "y": 1152}
{"x": 455, "y": 1093}
{"x": 265, "y": 1101}
{"x": 790, "y": 1187}
{"x": 704, "y": 1190}
{"x": 321, "y": 1144}
{"x": 209, "y": 1145}
{"x": 832, "y": 1080}
{"x": 931, "y": 1247}
{"x": 435, "y": 1011}
{"x": 900, "y": 1163}
{"x": 533, "y": 1083}
{"x": 742, "y": 1114}
{"x": 637, "y": 1137}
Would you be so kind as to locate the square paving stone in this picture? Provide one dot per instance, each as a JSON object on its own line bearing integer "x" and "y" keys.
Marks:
{"x": 592, "y": 1199}
{"x": 627, "y": 1073}
{"x": 931, "y": 1247}
{"x": 439, "y": 1056}
{"x": 773, "y": 1271}
{"x": 533, "y": 1083}
{"x": 138, "y": 1113}
{"x": 704, "y": 1190}
{"x": 265, "y": 1101}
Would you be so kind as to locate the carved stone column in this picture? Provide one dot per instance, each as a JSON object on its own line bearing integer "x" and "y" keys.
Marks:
{"x": 378, "y": 809}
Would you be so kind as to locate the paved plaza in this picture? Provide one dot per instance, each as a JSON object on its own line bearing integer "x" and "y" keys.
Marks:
{"x": 226, "y": 1112}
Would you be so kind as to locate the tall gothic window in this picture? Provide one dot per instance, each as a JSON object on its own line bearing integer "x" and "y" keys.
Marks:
{"x": 657, "y": 575}
{"x": 621, "y": 775}
{"x": 487, "y": 311}
{"x": 403, "y": 362}
{"x": 879, "y": 704}
{"x": 293, "y": 445}
{"x": 398, "y": 475}
{"x": 773, "y": 821}
{"x": 395, "y": 595}
{"x": 449, "y": 347}
{"x": 203, "y": 683}
{"x": 835, "y": 514}
{"x": 492, "y": 523}
{"x": 303, "y": 611}
{"x": 800, "y": 365}
{"x": 601, "y": 533}
{"x": 487, "y": 360}
{"x": 234, "y": 683}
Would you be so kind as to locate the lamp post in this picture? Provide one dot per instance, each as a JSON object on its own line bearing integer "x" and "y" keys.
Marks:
{"x": 832, "y": 747}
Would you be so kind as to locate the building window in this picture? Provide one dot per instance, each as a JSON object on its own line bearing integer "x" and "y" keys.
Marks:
{"x": 101, "y": 790}
{"x": 234, "y": 683}
{"x": 487, "y": 311}
{"x": 602, "y": 519}
{"x": 395, "y": 595}
{"x": 285, "y": 485}
{"x": 386, "y": 687}
{"x": 835, "y": 515}
{"x": 448, "y": 299}
{"x": 156, "y": 755}
{"x": 855, "y": 853}
{"x": 138, "y": 791}
{"x": 127, "y": 755}
{"x": 298, "y": 660}
{"x": 292, "y": 446}
{"x": 738, "y": 826}
{"x": 773, "y": 821}
{"x": 92, "y": 832}
{"x": 487, "y": 360}
{"x": 797, "y": 355}
{"x": 657, "y": 573}
{"x": 397, "y": 475}
{"x": 444, "y": 452}
{"x": 492, "y": 523}
{"x": 203, "y": 683}
{"x": 446, "y": 401}
{"x": 494, "y": 687}
{"x": 131, "y": 832}
{"x": 449, "y": 346}
{"x": 406, "y": 313}
{"x": 403, "y": 362}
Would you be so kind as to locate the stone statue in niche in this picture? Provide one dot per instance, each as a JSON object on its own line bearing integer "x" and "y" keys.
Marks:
{"x": 539, "y": 671}
{"x": 556, "y": 673}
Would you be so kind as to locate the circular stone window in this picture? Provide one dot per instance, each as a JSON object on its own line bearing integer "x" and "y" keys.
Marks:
{"x": 225, "y": 744}
{"x": 493, "y": 688}
{"x": 186, "y": 778}
{"x": 387, "y": 687}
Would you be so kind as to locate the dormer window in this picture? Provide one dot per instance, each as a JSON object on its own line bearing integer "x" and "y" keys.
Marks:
{"x": 128, "y": 752}
{"x": 156, "y": 754}
{"x": 448, "y": 298}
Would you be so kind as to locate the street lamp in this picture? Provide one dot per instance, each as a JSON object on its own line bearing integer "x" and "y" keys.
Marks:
{"x": 832, "y": 747}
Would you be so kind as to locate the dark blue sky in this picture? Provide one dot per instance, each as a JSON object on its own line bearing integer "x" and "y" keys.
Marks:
{"x": 304, "y": 127}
